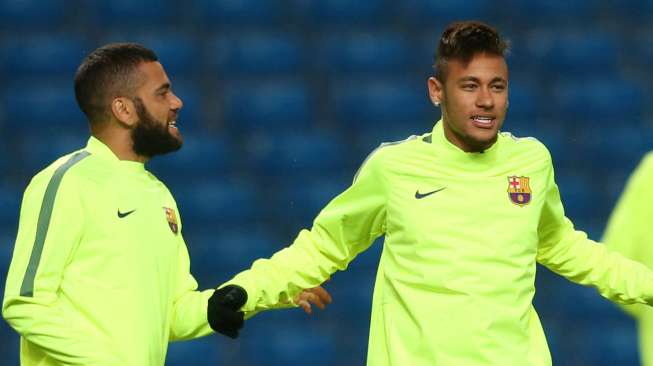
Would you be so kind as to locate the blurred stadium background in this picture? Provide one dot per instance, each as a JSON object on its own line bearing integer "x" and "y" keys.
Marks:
{"x": 285, "y": 98}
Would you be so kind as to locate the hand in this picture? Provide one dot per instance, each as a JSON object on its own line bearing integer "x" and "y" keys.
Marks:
{"x": 223, "y": 310}
{"x": 317, "y": 295}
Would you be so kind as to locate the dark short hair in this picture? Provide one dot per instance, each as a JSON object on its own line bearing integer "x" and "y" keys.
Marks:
{"x": 106, "y": 73}
{"x": 463, "y": 40}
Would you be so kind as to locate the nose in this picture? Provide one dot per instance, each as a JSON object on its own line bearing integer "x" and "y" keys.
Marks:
{"x": 484, "y": 99}
{"x": 175, "y": 103}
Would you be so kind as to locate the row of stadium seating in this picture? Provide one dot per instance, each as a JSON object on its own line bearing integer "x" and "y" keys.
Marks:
{"x": 352, "y": 104}
{"x": 237, "y": 13}
{"x": 253, "y": 53}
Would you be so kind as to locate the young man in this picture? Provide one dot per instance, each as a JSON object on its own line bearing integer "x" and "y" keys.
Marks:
{"x": 467, "y": 212}
{"x": 629, "y": 233}
{"x": 100, "y": 271}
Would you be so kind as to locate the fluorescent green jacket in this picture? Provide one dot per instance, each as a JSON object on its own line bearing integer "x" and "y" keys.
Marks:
{"x": 100, "y": 271}
{"x": 463, "y": 233}
{"x": 629, "y": 232}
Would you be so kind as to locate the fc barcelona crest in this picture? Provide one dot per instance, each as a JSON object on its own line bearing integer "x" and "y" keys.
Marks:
{"x": 519, "y": 190}
{"x": 172, "y": 219}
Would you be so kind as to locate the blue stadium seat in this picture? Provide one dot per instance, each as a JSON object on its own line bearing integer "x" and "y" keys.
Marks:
{"x": 523, "y": 58}
{"x": 561, "y": 152}
{"x": 365, "y": 53}
{"x": 204, "y": 351}
{"x": 599, "y": 101}
{"x": 629, "y": 12}
{"x": 191, "y": 118}
{"x": 216, "y": 202}
{"x": 41, "y": 55}
{"x": 357, "y": 286}
{"x": 6, "y": 159}
{"x": 584, "y": 305}
{"x": 440, "y": 13}
{"x": 559, "y": 12}
{"x": 9, "y": 339}
{"x": 290, "y": 343}
{"x": 426, "y": 47}
{"x": 178, "y": 52}
{"x": 33, "y": 14}
{"x": 608, "y": 344}
{"x": 370, "y": 106}
{"x": 254, "y": 54}
{"x": 525, "y": 99}
{"x": 344, "y": 13}
{"x": 640, "y": 50}
{"x": 9, "y": 344}
{"x": 578, "y": 196}
{"x": 10, "y": 197}
{"x": 39, "y": 151}
{"x": 239, "y": 13}
{"x": 581, "y": 55}
{"x": 299, "y": 202}
{"x": 297, "y": 154}
{"x": 43, "y": 109}
{"x": 200, "y": 154}
{"x": 218, "y": 254}
{"x": 267, "y": 107}
{"x": 147, "y": 14}
{"x": 619, "y": 145}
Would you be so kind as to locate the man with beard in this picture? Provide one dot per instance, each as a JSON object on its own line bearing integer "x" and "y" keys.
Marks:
{"x": 100, "y": 273}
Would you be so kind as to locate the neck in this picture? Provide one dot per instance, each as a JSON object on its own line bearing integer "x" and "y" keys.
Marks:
{"x": 119, "y": 141}
{"x": 461, "y": 143}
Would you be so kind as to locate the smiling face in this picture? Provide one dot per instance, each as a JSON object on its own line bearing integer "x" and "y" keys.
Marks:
{"x": 474, "y": 99}
{"x": 156, "y": 107}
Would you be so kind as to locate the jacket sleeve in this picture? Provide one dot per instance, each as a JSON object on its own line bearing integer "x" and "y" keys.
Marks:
{"x": 628, "y": 230}
{"x": 189, "y": 307}
{"x": 50, "y": 228}
{"x": 343, "y": 229}
{"x": 572, "y": 255}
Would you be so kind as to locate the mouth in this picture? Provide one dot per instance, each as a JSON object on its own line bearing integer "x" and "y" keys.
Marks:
{"x": 483, "y": 121}
{"x": 172, "y": 124}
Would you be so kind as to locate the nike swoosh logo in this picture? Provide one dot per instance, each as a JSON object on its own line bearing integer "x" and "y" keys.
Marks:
{"x": 422, "y": 195}
{"x": 125, "y": 214}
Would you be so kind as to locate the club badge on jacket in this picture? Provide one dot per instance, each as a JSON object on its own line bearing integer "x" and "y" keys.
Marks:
{"x": 172, "y": 219}
{"x": 519, "y": 190}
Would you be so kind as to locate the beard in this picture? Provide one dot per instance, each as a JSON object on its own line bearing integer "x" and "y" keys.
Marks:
{"x": 151, "y": 137}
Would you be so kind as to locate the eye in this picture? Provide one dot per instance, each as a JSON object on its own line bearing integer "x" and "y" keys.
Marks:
{"x": 498, "y": 87}
{"x": 468, "y": 86}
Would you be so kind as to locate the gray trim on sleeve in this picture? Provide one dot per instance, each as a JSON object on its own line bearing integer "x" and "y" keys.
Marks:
{"x": 27, "y": 288}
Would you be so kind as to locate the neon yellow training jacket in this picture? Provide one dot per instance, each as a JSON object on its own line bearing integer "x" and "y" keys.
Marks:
{"x": 629, "y": 232}
{"x": 463, "y": 233}
{"x": 100, "y": 271}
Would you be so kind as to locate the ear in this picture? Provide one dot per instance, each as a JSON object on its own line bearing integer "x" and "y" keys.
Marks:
{"x": 124, "y": 110}
{"x": 436, "y": 90}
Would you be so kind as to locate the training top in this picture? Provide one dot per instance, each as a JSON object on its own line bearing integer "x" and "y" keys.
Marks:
{"x": 100, "y": 272}
{"x": 629, "y": 232}
{"x": 463, "y": 233}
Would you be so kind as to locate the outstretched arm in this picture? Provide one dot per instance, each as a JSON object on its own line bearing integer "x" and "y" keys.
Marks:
{"x": 343, "y": 229}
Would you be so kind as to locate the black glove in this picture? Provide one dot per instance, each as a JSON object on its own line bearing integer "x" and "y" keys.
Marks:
{"x": 222, "y": 312}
